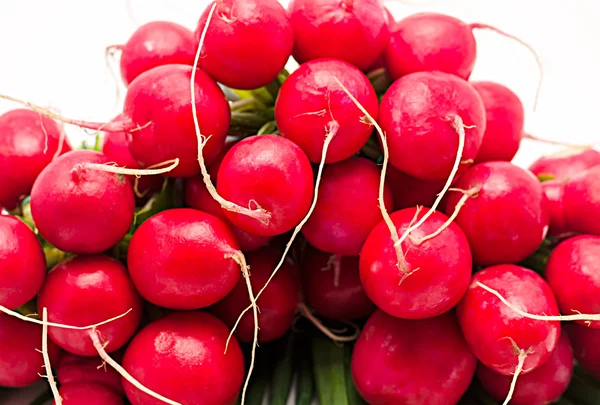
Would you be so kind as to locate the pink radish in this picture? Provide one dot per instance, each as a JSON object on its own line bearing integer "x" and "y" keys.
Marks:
{"x": 311, "y": 103}
{"x": 419, "y": 112}
{"x": 89, "y": 394}
{"x": 586, "y": 347}
{"x": 22, "y": 263}
{"x": 347, "y": 208}
{"x": 79, "y": 209}
{"x": 380, "y": 61}
{"x": 332, "y": 286}
{"x": 501, "y": 338}
{"x": 408, "y": 191}
{"x": 507, "y": 219}
{"x": 437, "y": 270}
{"x": 393, "y": 360}
{"x": 542, "y": 386}
{"x": 565, "y": 164}
{"x": 87, "y": 370}
{"x": 28, "y": 143}
{"x": 505, "y": 119}
{"x": 88, "y": 289}
{"x": 581, "y": 202}
{"x": 263, "y": 24}
{"x": 355, "y": 31}
{"x": 165, "y": 357}
{"x": 554, "y": 190}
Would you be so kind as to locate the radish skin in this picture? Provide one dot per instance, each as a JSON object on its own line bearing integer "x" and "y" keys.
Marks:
{"x": 89, "y": 394}
{"x": 566, "y": 163}
{"x": 586, "y": 347}
{"x": 581, "y": 202}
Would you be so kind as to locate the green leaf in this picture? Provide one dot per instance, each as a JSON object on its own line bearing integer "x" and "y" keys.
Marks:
{"x": 305, "y": 383}
{"x": 542, "y": 177}
{"x": 160, "y": 201}
{"x": 283, "y": 372}
{"x": 329, "y": 371}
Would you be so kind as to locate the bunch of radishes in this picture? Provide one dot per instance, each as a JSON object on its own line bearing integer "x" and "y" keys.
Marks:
{"x": 368, "y": 195}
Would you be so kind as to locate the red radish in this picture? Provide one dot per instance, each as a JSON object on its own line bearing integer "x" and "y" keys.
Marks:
{"x": 396, "y": 361}
{"x": 79, "y": 209}
{"x": 22, "y": 263}
{"x": 437, "y": 271}
{"x": 263, "y": 24}
{"x": 507, "y": 220}
{"x": 332, "y": 286}
{"x": 21, "y": 363}
{"x": 156, "y": 43}
{"x": 380, "y": 61}
{"x": 565, "y": 164}
{"x": 88, "y": 370}
{"x": 311, "y": 103}
{"x": 505, "y": 118}
{"x": 277, "y": 305}
{"x": 28, "y": 142}
{"x": 554, "y": 190}
{"x": 586, "y": 347}
{"x": 499, "y": 336}
{"x": 581, "y": 202}
{"x": 347, "y": 208}
{"x": 88, "y": 289}
{"x": 354, "y": 31}
{"x": 183, "y": 259}
{"x": 270, "y": 172}
{"x": 182, "y": 357}
{"x": 542, "y": 386}
{"x": 89, "y": 394}
{"x": 419, "y": 112}
{"x": 408, "y": 191}
{"x": 573, "y": 272}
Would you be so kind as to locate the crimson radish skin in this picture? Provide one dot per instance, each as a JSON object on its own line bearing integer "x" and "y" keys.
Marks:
{"x": 79, "y": 209}
{"x": 581, "y": 202}
{"x": 183, "y": 259}
{"x": 89, "y": 394}
{"x": 438, "y": 270}
{"x": 310, "y": 102}
{"x": 28, "y": 143}
{"x": 565, "y": 164}
{"x": 507, "y": 220}
{"x": 586, "y": 347}
{"x": 22, "y": 263}
{"x": 347, "y": 209}
{"x": 417, "y": 114}
{"x": 409, "y": 191}
{"x": 86, "y": 290}
{"x": 182, "y": 357}
{"x": 495, "y": 333}
{"x": 554, "y": 190}
{"x": 542, "y": 386}
{"x": 356, "y": 31}
{"x": 263, "y": 24}
{"x": 392, "y": 361}
{"x": 88, "y": 370}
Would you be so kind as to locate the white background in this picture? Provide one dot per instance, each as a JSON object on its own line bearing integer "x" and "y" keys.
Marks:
{"x": 52, "y": 53}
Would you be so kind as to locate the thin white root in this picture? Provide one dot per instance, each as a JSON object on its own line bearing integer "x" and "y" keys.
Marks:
{"x": 334, "y": 262}
{"x": 307, "y": 313}
{"x": 518, "y": 370}
{"x": 109, "y": 60}
{"x": 559, "y": 143}
{"x": 47, "y": 365}
{"x": 259, "y": 213}
{"x": 102, "y": 353}
{"x": 103, "y": 167}
{"x": 59, "y": 325}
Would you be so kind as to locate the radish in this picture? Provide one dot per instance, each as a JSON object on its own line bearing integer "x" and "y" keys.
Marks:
{"x": 263, "y": 24}
{"x": 87, "y": 370}
{"x": 182, "y": 357}
{"x": 542, "y": 386}
{"x": 396, "y": 361}
{"x": 353, "y": 31}
{"x": 408, "y": 191}
{"x": 347, "y": 209}
{"x": 88, "y": 289}
{"x": 554, "y": 190}
{"x": 89, "y": 394}
{"x": 311, "y": 104}
{"x": 332, "y": 286}
{"x": 565, "y": 164}
{"x": 502, "y": 339}
{"x": 420, "y": 112}
{"x": 277, "y": 305}
{"x": 586, "y": 347}
{"x": 22, "y": 263}
{"x": 507, "y": 219}
{"x": 79, "y": 209}
{"x": 28, "y": 143}
{"x": 581, "y": 202}
{"x": 573, "y": 273}
{"x": 505, "y": 118}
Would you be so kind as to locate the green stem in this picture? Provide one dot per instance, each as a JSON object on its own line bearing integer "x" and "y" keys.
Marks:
{"x": 330, "y": 375}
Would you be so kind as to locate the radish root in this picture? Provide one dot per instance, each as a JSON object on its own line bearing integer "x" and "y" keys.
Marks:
{"x": 518, "y": 370}
{"x": 559, "y": 143}
{"x": 109, "y": 59}
{"x": 307, "y": 313}
{"x": 47, "y": 366}
{"x": 334, "y": 263}
{"x": 105, "y": 167}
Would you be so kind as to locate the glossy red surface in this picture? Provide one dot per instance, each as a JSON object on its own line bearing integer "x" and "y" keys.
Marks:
{"x": 554, "y": 190}
{"x": 408, "y": 191}
{"x": 566, "y": 164}
{"x": 581, "y": 202}
{"x": 586, "y": 347}
{"x": 88, "y": 394}
{"x": 74, "y": 369}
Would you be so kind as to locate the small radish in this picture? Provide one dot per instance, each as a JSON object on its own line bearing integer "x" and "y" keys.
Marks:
{"x": 554, "y": 190}
{"x": 507, "y": 219}
{"x": 21, "y": 363}
{"x": 573, "y": 272}
{"x": 396, "y": 361}
{"x": 409, "y": 191}
{"x": 311, "y": 104}
{"x": 501, "y": 338}
{"x": 436, "y": 271}
{"x": 332, "y": 286}
{"x": 581, "y": 202}
{"x": 354, "y": 31}
{"x": 542, "y": 386}
{"x": 263, "y": 24}
{"x": 586, "y": 347}
{"x": 505, "y": 118}
{"x": 182, "y": 356}
{"x": 565, "y": 164}
{"x": 421, "y": 112}
{"x": 87, "y": 370}
{"x": 87, "y": 289}
{"x": 270, "y": 172}
{"x": 79, "y": 209}
{"x": 28, "y": 143}
{"x": 347, "y": 209}
{"x": 22, "y": 263}
{"x": 277, "y": 305}
{"x": 380, "y": 61}
{"x": 89, "y": 394}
